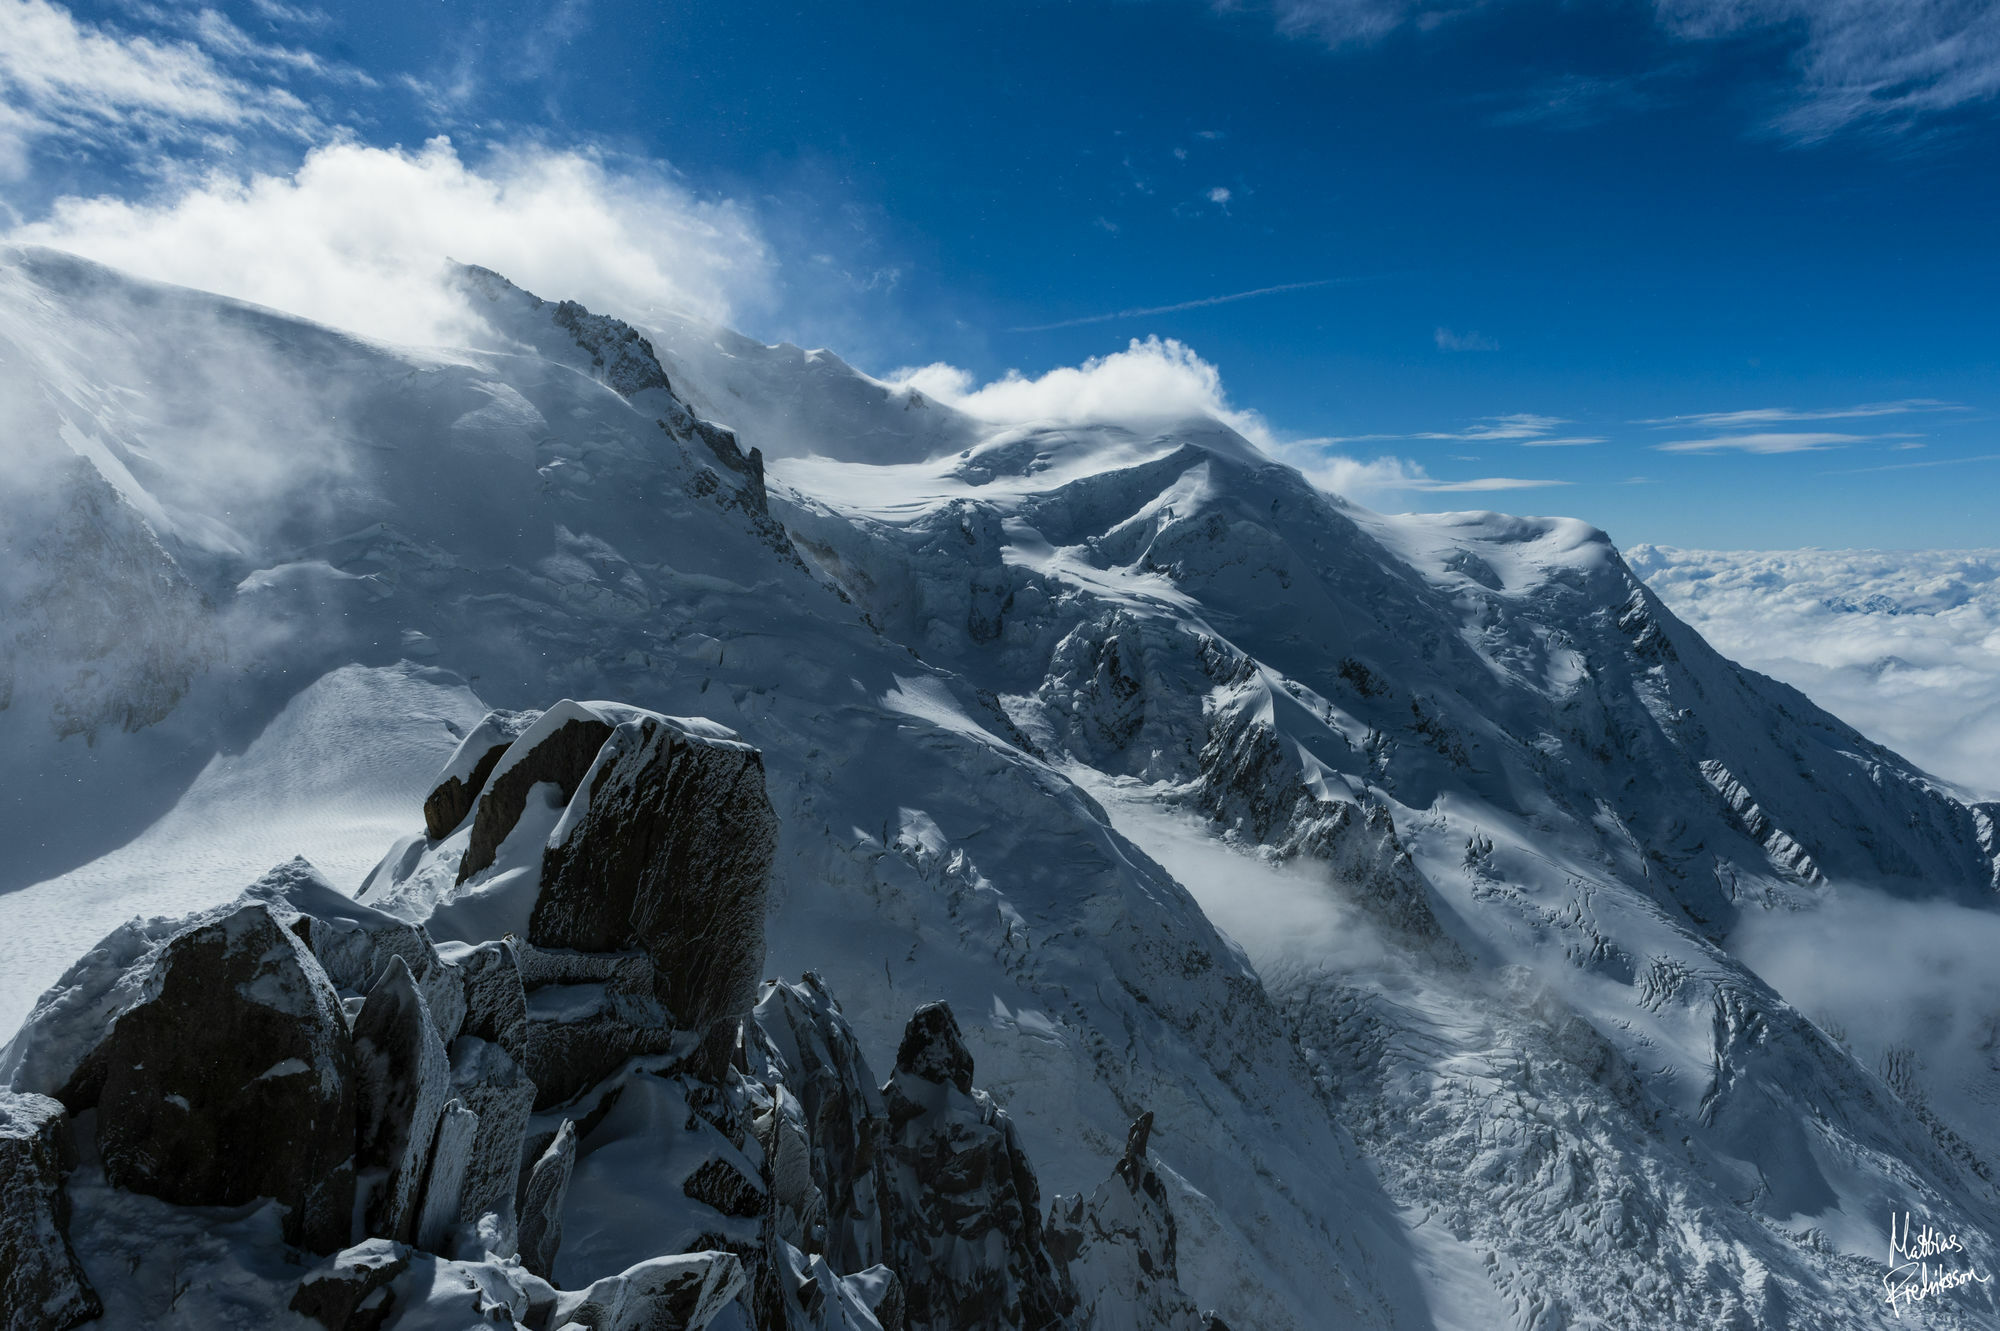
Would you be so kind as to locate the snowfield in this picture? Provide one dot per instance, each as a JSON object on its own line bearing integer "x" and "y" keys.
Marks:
{"x": 1420, "y": 874}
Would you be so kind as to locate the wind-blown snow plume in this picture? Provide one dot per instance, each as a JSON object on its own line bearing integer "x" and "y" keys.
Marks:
{"x": 361, "y": 237}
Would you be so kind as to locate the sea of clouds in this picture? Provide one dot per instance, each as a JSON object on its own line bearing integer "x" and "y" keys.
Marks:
{"x": 1902, "y": 644}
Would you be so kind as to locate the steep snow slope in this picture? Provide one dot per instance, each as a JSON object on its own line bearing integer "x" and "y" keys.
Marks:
{"x": 519, "y": 528}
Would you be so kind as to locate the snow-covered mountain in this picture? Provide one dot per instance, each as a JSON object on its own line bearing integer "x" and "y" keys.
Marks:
{"x": 1391, "y": 863}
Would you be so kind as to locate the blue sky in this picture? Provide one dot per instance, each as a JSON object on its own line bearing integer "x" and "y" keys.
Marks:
{"x": 1477, "y": 228}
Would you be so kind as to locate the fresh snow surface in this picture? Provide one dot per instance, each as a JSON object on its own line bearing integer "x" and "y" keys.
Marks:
{"x": 1420, "y": 874}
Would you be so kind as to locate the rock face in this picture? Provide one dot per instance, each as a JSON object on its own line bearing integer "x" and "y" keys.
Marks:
{"x": 559, "y": 749}
{"x": 670, "y": 855}
{"x": 842, "y": 1114}
{"x": 464, "y": 775}
{"x": 403, "y": 1079}
{"x": 234, "y": 1080}
{"x": 1120, "y": 1248}
{"x": 964, "y": 1223}
{"x": 542, "y": 1201}
{"x": 42, "y": 1288}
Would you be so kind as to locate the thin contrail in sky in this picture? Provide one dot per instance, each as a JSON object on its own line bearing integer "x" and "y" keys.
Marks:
{"x": 1186, "y": 304}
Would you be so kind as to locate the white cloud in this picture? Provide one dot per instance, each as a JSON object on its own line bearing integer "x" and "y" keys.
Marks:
{"x": 1903, "y": 645}
{"x": 1449, "y": 341}
{"x": 1218, "y": 195}
{"x": 1853, "y": 61}
{"x": 1733, "y": 420}
{"x": 1862, "y": 60}
{"x": 1794, "y": 442}
{"x": 63, "y": 79}
{"x": 358, "y": 237}
{"x": 1151, "y": 380}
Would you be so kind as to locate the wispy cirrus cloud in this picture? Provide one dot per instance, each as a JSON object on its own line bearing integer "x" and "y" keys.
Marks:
{"x": 83, "y": 83}
{"x": 1768, "y": 442}
{"x": 1852, "y": 62}
{"x": 1527, "y": 428}
{"x": 1729, "y": 420}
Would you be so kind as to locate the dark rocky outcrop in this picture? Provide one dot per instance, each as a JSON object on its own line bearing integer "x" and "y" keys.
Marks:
{"x": 42, "y": 1288}
{"x": 559, "y": 748}
{"x": 234, "y": 1080}
{"x": 671, "y": 857}
{"x": 487, "y": 1081}
{"x": 351, "y": 1291}
{"x": 842, "y": 1117}
{"x": 963, "y": 1219}
{"x": 403, "y": 1079}
{"x": 306, "y": 1047}
{"x": 465, "y": 773}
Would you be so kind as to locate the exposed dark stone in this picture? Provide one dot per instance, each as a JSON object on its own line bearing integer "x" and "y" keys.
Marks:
{"x": 963, "y": 1225}
{"x": 465, "y": 774}
{"x": 493, "y": 1086}
{"x": 563, "y": 757}
{"x": 683, "y": 1293}
{"x": 496, "y": 1006}
{"x": 235, "y": 1080}
{"x": 670, "y": 856}
{"x": 843, "y": 1115}
{"x": 444, "y": 1176}
{"x": 542, "y": 1202}
{"x": 581, "y": 1032}
{"x": 353, "y": 943}
{"x": 719, "y": 1184}
{"x": 403, "y": 1077}
{"x": 42, "y": 1286}
{"x": 933, "y": 1048}
{"x": 351, "y": 1291}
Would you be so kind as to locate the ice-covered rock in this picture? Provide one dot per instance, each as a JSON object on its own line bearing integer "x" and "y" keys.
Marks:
{"x": 234, "y": 1080}
{"x": 543, "y": 1196}
{"x": 42, "y": 1287}
{"x": 964, "y": 1209}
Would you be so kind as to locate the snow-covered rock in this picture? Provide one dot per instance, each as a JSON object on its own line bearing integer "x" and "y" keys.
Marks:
{"x": 1122, "y": 1249}
{"x": 963, "y": 1211}
{"x": 42, "y": 1288}
{"x": 233, "y": 1079}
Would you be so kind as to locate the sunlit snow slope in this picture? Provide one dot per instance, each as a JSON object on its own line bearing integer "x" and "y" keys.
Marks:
{"x": 1038, "y": 705}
